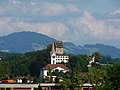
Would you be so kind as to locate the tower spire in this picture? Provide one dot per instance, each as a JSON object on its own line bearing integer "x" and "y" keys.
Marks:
{"x": 53, "y": 47}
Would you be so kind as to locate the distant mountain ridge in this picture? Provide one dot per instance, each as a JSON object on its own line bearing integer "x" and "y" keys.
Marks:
{"x": 24, "y": 42}
{"x": 90, "y": 48}
{"x": 21, "y": 42}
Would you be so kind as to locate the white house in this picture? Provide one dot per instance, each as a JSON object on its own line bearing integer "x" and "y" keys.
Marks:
{"x": 92, "y": 59}
{"x": 21, "y": 79}
{"x": 53, "y": 67}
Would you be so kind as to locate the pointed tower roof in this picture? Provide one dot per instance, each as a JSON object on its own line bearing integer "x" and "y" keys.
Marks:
{"x": 53, "y": 47}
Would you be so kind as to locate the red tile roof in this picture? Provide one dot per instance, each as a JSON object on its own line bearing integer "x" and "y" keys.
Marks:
{"x": 52, "y": 66}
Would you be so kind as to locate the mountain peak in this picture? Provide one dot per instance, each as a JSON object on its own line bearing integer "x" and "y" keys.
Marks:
{"x": 24, "y": 42}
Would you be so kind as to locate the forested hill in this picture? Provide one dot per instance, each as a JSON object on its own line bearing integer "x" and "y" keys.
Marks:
{"x": 29, "y": 64}
{"x": 25, "y": 64}
{"x": 22, "y": 42}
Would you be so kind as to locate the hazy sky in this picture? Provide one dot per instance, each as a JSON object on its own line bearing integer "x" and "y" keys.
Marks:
{"x": 77, "y": 21}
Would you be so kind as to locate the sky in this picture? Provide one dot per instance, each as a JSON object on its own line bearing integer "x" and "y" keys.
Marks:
{"x": 78, "y": 21}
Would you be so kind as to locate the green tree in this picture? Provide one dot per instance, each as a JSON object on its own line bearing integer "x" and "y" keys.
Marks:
{"x": 98, "y": 78}
{"x": 78, "y": 63}
{"x": 97, "y": 56}
{"x": 4, "y": 69}
{"x": 72, "y": 81}
{"x": 113, "y": 74}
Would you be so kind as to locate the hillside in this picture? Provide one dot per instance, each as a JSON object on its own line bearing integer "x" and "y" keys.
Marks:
{"x": 22, "y": 42}
{"x": 90, "y": 48}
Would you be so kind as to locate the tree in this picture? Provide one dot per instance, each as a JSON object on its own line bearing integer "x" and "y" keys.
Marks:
{"x": 97, "y": 56}
{"x": 72, "y": 81}
{"x": 98, "y": 78}
{"x": 113, "y": 74}
{"x": 4, "y": 69}
{"x": 78, "y": 63}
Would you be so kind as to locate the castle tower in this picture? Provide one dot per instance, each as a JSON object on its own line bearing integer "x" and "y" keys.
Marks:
{"x": 57, "y": 53}
{"x": 53, "y": 54}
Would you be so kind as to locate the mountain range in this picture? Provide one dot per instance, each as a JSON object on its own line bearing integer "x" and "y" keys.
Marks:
{"x": 21, "y": 42}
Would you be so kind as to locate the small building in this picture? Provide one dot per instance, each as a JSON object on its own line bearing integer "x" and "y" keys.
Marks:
{"x": 22, "y": 79}
{"x": 53, "y": 67}
{"x": 91, "y": 60}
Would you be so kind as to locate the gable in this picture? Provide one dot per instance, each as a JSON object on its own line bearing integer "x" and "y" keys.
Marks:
{"x": 59, "y": 68}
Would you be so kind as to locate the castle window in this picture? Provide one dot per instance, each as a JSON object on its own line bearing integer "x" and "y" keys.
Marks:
{"x": 53, "y": 56}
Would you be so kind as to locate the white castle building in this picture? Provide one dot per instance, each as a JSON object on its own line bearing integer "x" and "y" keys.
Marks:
{"x": 57, "y": 53}
{"x": 57, "y": 57}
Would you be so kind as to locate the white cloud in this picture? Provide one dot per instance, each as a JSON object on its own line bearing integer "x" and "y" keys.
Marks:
{"x": 72, "y": 8}
{"x": 18, "y": 8}
{"x": 14, "y": 1}
{"x": 52, "y": 9}
{"x": 88, "y": 27}
{"x": 50, "y": 29}
{"x": 55, "y": 29}
{"x": 114, "y": 20}
{"x": 5, "y": 26}
{"x": 116, "y": 12}
{"x": 33, "y": 3}
{"x": 78, "y": 30}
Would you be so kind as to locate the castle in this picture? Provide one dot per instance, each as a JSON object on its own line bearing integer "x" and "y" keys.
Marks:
{"x": 57, "y": 58}
{"x": 57, "y": 53}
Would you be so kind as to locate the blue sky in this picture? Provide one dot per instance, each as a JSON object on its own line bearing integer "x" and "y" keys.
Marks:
{"x": 78, "y": 21}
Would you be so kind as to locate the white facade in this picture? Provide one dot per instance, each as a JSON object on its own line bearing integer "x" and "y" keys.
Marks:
{"x": 53, "y": 58}
{"x": 45, "y": 72}
{"x": 63, "y": 58}
{"x": 57, "y": 57}
{"x": 60, "y": 69}
{"x": 19, "y": 80}
{"x": 57, "y": 54}
{"x": 91, "y": 61}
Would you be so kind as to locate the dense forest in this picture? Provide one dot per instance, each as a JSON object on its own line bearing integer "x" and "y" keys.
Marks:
{"x": 29, "y": 64}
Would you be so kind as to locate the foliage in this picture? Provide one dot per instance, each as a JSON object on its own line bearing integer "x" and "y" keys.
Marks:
{"x": 72, "y": 81}
{"x": 78, "y": 63}
{"x": 4, "y": 69}
{"x": 97, "y": 56}
{"x": 105, "y": 77}
{"x": 113, "y": 74}
{"x": 28, "y": 64}
{"x": 98, "y": 78}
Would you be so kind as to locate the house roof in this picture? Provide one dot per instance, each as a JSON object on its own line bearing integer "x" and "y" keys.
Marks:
{"x": 52, "y": 66}
{"x": 59, "y": 44}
